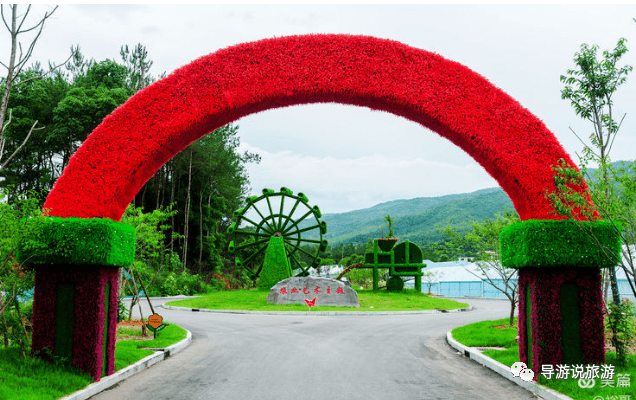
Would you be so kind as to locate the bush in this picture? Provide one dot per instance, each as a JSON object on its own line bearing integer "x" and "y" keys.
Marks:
{"x": 169, "y": 286}
{"x": 184, "y": 284}
{"x": 394, "y": 284}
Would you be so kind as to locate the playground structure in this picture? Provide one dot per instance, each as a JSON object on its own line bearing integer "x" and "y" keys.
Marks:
{"x": 274, "y": 225}
{"x": 404, "y": 259}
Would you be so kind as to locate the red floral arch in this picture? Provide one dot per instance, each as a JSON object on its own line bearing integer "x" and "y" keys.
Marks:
{"x": 132, "y": 143}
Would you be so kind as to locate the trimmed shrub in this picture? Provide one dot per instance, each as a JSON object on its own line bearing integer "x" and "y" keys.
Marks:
{"x": 81, "y": 241}
{"x": 276, "y": 265}
{"x": 394, "y": 284}
{"x": 563, "y": 243}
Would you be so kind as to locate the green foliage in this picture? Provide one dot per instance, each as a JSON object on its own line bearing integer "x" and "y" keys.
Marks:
{"x": 560, "y": 243}
{"x": 276, "y": 265}
{"x": 622, "y": 321}
{"x": 390, "y": 223}
{"x": 181, "y": 284}
{"x": 81, "y": 241}
{"x": 590, "y": 87}
{"x": 150, "y": 233}
{"x": 122, "y": 312}
{"x": 359, "y": 277}
{"x": 394, "y": 284}
{"x": 19, "y": 220}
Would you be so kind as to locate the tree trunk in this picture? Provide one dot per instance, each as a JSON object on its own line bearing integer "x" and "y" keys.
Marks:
{"x": 8, "y": 83}
{"x": 187, "y": 213}
{"x": 512, "y": 312}
{"x": 172, "y": 177}
{"x": 200, "y": 229}
{"x": 207, "y": 232}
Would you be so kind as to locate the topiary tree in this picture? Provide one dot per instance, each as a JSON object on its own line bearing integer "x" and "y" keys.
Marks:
{"x": 276, "y": 265}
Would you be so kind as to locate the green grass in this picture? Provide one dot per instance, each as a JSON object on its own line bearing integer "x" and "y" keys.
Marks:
{"x": 256, "y": 300}
{"x": 128, "y": 352}
{"x": 481, "y": 334}
{"x": 35, "y": 379}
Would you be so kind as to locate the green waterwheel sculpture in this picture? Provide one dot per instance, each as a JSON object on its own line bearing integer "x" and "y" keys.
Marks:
{"x": 277, "y": 215}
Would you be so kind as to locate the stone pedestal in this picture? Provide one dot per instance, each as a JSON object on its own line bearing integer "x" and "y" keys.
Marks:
{"x": 326, "y": 291}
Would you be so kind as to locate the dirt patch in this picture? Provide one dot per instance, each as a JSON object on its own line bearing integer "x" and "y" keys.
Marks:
{"x": 135, "y": 324}
{"x": 506, "y": 326}
{"x": 130, "y": 323}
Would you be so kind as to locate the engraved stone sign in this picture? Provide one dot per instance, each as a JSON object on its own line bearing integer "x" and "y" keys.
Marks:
{"x": 326, "y": 291}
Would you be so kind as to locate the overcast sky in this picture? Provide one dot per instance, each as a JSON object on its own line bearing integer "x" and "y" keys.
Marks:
{"x": 337, "y": 155}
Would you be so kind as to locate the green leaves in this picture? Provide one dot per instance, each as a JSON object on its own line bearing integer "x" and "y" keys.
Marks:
{"x": 590, "y": 87}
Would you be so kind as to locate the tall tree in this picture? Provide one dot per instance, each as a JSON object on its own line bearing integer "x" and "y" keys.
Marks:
{"x": 138, "y": 66}
{"x": 207, "y": 182}
{"x": 590, "y": 87}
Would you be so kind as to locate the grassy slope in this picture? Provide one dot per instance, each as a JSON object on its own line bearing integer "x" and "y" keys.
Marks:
{"x": 482, "y": 334}
{"x": 256, "y": 300}
{"x": 34, "y": 379}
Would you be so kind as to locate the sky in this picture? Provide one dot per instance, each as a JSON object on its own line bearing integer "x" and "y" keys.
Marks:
{"x": 343, "y": 157}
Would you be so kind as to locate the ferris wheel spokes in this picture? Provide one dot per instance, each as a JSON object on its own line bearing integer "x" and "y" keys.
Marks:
{"x": 279, "y": 223}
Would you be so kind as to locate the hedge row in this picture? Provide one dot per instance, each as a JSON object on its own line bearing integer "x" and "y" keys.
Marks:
{"x": 563, "y": 243}
{"x": 80, "y": 241}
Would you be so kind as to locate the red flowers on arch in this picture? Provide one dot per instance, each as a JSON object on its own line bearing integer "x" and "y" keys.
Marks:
{"x": 130, "y": 145}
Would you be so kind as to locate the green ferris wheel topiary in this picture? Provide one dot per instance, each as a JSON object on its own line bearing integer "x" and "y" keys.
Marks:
{"x": 269, "y": 232}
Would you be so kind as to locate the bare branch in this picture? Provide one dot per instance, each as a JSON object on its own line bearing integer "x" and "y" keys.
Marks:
{"x": 581, "y": 140}
{"x": 3, "y": 139}
{"x": 615, "y": 133}
{"x": 26, "y": 14}
{"x": 51, "y": 69}
{"x": 22, "y": 145}
{"x": 3, "y": 18}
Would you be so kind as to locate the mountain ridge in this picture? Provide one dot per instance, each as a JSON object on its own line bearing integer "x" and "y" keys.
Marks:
{"x": 418, "y": 219}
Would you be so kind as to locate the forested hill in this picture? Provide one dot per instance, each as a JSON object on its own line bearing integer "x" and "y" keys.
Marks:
{"x": 416, "y": 219}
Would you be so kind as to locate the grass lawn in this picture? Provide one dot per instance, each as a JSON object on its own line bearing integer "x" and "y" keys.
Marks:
{"x": 256, "y": 300}
{"x": 484, "y": 334}
{"x": 35, "y": 379}
{"x": 130, "y": 351}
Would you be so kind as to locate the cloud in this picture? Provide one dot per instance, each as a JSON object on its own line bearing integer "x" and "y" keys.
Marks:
{"x": 345, "y": 184}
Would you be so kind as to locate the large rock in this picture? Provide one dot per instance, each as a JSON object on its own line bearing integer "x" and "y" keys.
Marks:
{"x": 327, "y": 291}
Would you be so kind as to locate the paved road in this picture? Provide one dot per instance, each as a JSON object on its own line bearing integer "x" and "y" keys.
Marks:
{"x": 235, "y": 356}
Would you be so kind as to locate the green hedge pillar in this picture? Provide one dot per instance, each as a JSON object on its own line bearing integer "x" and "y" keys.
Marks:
{"x": 560, "y": 295}
{"x": 75, "y": 300}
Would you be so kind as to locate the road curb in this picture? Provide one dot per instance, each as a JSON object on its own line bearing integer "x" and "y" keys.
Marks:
{"x": 503, "y": 370}
{"x": 436, "y": 311}
{"x": 112, "y": 380}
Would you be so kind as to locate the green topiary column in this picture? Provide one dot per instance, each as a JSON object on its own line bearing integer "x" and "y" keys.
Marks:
{"x": 276, "y": 265}
{"x": 75, "y": 299}
{"x": 560, "y": 296}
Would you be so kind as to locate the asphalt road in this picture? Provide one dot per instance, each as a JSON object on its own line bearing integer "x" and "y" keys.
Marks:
{"x": 245, "y": 356}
